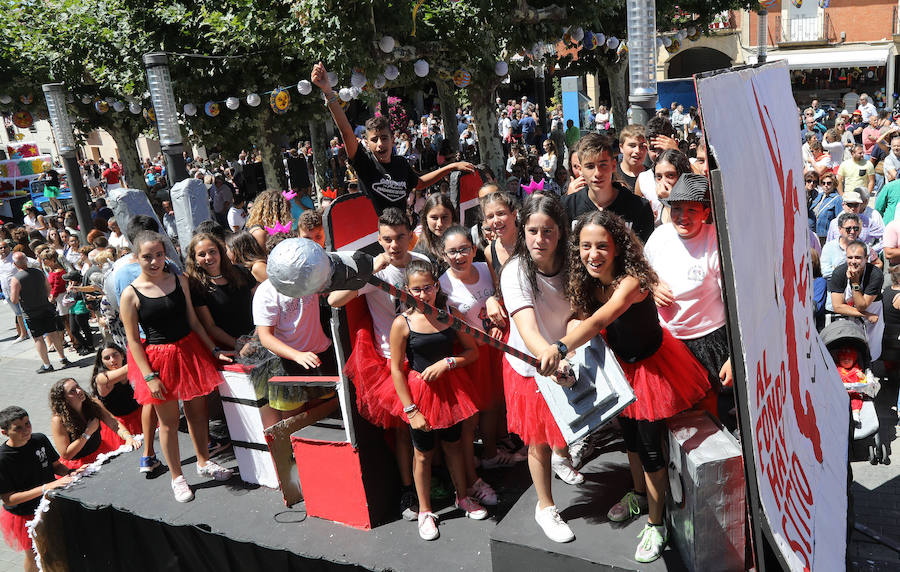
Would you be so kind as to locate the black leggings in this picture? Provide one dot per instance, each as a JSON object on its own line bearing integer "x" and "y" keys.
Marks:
{"x": 644, "y": 438}
{"x": 81, "y": 330}
{"x": 424, "y": 441}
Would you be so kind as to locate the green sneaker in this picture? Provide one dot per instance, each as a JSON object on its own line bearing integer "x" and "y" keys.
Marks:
{"x": 653, "y": 540}
{"x": 438, "y": 490}
{"x": 632, "y": 504}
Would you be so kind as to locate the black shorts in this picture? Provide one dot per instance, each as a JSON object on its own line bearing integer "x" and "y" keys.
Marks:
{"x": 424, "y": 440}
{"x": 646, "y": 439}
{"x": 44, "y": 324}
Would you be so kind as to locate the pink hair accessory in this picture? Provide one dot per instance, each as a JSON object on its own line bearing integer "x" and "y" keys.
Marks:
{"x": 288, "y": 194}
{"x": 279, "y": 228}
{"x": 533, "y": 186}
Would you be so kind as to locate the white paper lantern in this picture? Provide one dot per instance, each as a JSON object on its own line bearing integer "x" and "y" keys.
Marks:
{"x": 118, "y": 106}
{"x": 391, "y": 72}
{"x": 358, "y": 79}
{"x": 601, "y": 38}
{"x": 577, "y": 34}
{"x": 190, "y": 109}
{"x": 232, "y": 103}
{"x": 345, "y": 94}
{"x": 612, "y": 43}
{"x": 681, "y": 34}
{"x": 386, "y": 44}
{"x": 253, "y": 99}
{"x": 304, "y": 87}
{"x": 299, "y": 267}
{"x": 4, "y": 99}
{"x": 691, "y": 31}
{"x": 355, "y": 92}
{"x": 85, "y": 99}
{"x": 659, "y": 42}
{"x": 421, "y": 68}
{"x": 501, "y": 68}
{"x": 332, "y": 79}
{"x": 134, "y": 108}
{"x": 667, "y": 41}
{"x": 379, "y": 81}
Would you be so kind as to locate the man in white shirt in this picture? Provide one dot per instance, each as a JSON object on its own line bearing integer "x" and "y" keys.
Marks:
{"x": 867, "y": 108}
{"x": 8, "y": 270}
{"x": 222, "y": 199}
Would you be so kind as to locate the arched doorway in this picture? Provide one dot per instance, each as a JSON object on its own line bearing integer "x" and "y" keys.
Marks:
{"x": 697, "y": 60}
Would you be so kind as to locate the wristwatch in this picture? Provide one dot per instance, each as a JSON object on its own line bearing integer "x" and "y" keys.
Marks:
{"x": 562, "y": 348}
{"x": 855, "y": 287}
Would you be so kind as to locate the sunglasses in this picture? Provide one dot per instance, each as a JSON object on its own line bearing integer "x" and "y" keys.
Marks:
{"x": 828, "y": 182}
{"x": 808, "y": 181}
{"x": 851, "y": 228}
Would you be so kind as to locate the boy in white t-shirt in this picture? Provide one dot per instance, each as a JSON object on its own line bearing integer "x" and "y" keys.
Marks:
{"x": 369, "y": 364}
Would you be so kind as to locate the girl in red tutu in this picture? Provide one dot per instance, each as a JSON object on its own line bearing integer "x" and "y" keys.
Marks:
{"x": 28, "y": 468}
{"x": 81, "y": 426}
{"x": 609, "y": 286}
{"x": 470, "y": 291}
{"x": 533, "y": 283}
{"x": 109, "y": 384}
{"x": 177, "y": 361}
{"x": 434, "y": 395}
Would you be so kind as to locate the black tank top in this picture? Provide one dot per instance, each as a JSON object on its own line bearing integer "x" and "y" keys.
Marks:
{"x": 494, "y": 262}
{"x": 120, "y": 401}
{"x": 164, "y": 319}
{"x": 422, "y": 350}
{"x": 92, "y": 444}
{"x": 636, "y": 334}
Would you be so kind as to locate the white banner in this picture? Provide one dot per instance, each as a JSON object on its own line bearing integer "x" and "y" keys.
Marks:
{"x": 798, "y": 406}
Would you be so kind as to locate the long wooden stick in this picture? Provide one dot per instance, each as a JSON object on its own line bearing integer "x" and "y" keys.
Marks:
{"x": 446, "y": 318}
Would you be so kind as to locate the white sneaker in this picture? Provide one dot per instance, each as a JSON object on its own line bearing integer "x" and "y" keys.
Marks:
{"x": 552, "y": 524}
{"x": 653, "y": 540}
{"x": 214, "y": 470}
{"x": 428, "y": 529}
{"x": 182, "y": 490}
{"x": 579, "y": 451}
{"x": 483, "y": 493}
{"x": 563, "y": 468}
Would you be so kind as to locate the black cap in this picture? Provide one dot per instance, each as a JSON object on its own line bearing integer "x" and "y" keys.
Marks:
{"x": 73, "y": 276}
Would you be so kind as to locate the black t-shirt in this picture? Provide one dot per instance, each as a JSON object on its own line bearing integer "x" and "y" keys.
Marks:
{"x": 634, "y": 209}
{"x": 626, "y": 180}
{"x": 23, "y": 468}
{"x": 870, "y": 285}
{"x": 52, "y": 178}
{"x": 231, "y": 306}
{"x": 298, "y": 172}
{"x": 386, "y": 185}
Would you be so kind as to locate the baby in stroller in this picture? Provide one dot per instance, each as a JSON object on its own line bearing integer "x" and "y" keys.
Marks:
{"x": 846, "y": 341}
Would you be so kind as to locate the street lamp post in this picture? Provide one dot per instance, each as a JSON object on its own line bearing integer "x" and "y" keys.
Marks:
{"x": 641, "y": 17}
{"x": 65, "y": 143}
{"x": 163, "y": 98}
{"x": 762, "y": 28}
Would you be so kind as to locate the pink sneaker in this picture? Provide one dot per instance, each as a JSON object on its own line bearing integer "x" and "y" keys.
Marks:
{"x": 472, "y": 509}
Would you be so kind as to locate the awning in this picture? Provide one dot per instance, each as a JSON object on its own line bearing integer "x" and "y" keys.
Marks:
{"x": 822, "y": 58}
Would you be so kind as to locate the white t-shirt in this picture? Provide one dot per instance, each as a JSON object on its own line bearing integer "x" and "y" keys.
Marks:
{"x": 646, "y": 180}
{"x": 117, "y": 241}
{"x": 383, "y": 307}
{"x": 551, "y": 309}
{"x": 469, "y": 299}
{"x": 691, "y": 269}
{"x": 295, "y": 320}
{"x": 236, "y": 218}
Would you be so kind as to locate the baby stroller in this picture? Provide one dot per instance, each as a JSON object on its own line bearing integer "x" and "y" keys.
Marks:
{"x": 847, "y": 343}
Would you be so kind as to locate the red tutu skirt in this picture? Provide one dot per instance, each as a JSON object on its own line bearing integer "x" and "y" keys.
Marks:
{"x": 132, "y": 421}
{"x": 487, "y": 378}
{"x": 14, "y": 530}
{"x": 109, "y": 441}
{"x": 370, "y": 373}
{"x": 186, "y": 370}
{"x": 666, "y": 383}
{"x": 527, "y": 414}
{"x": 445, "y": 401}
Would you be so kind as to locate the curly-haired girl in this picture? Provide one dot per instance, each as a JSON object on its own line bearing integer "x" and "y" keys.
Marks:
{"x": 269, "y": 207}
{"x": 609, "y": 287}
{"x": 81, "y": 427}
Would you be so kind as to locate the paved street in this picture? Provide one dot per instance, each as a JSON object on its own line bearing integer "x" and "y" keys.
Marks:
{"x": 876, "y": 488}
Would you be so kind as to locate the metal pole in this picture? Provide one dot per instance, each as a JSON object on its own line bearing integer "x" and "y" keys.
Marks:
{"x": 762, "y": 32}
{"x": 55, "y": 95}
{"x": 641, "y": 19}
{"x": 163, "y": 97}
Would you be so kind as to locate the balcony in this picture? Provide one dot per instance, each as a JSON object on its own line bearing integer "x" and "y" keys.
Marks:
{"x": 809, "y": 31}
